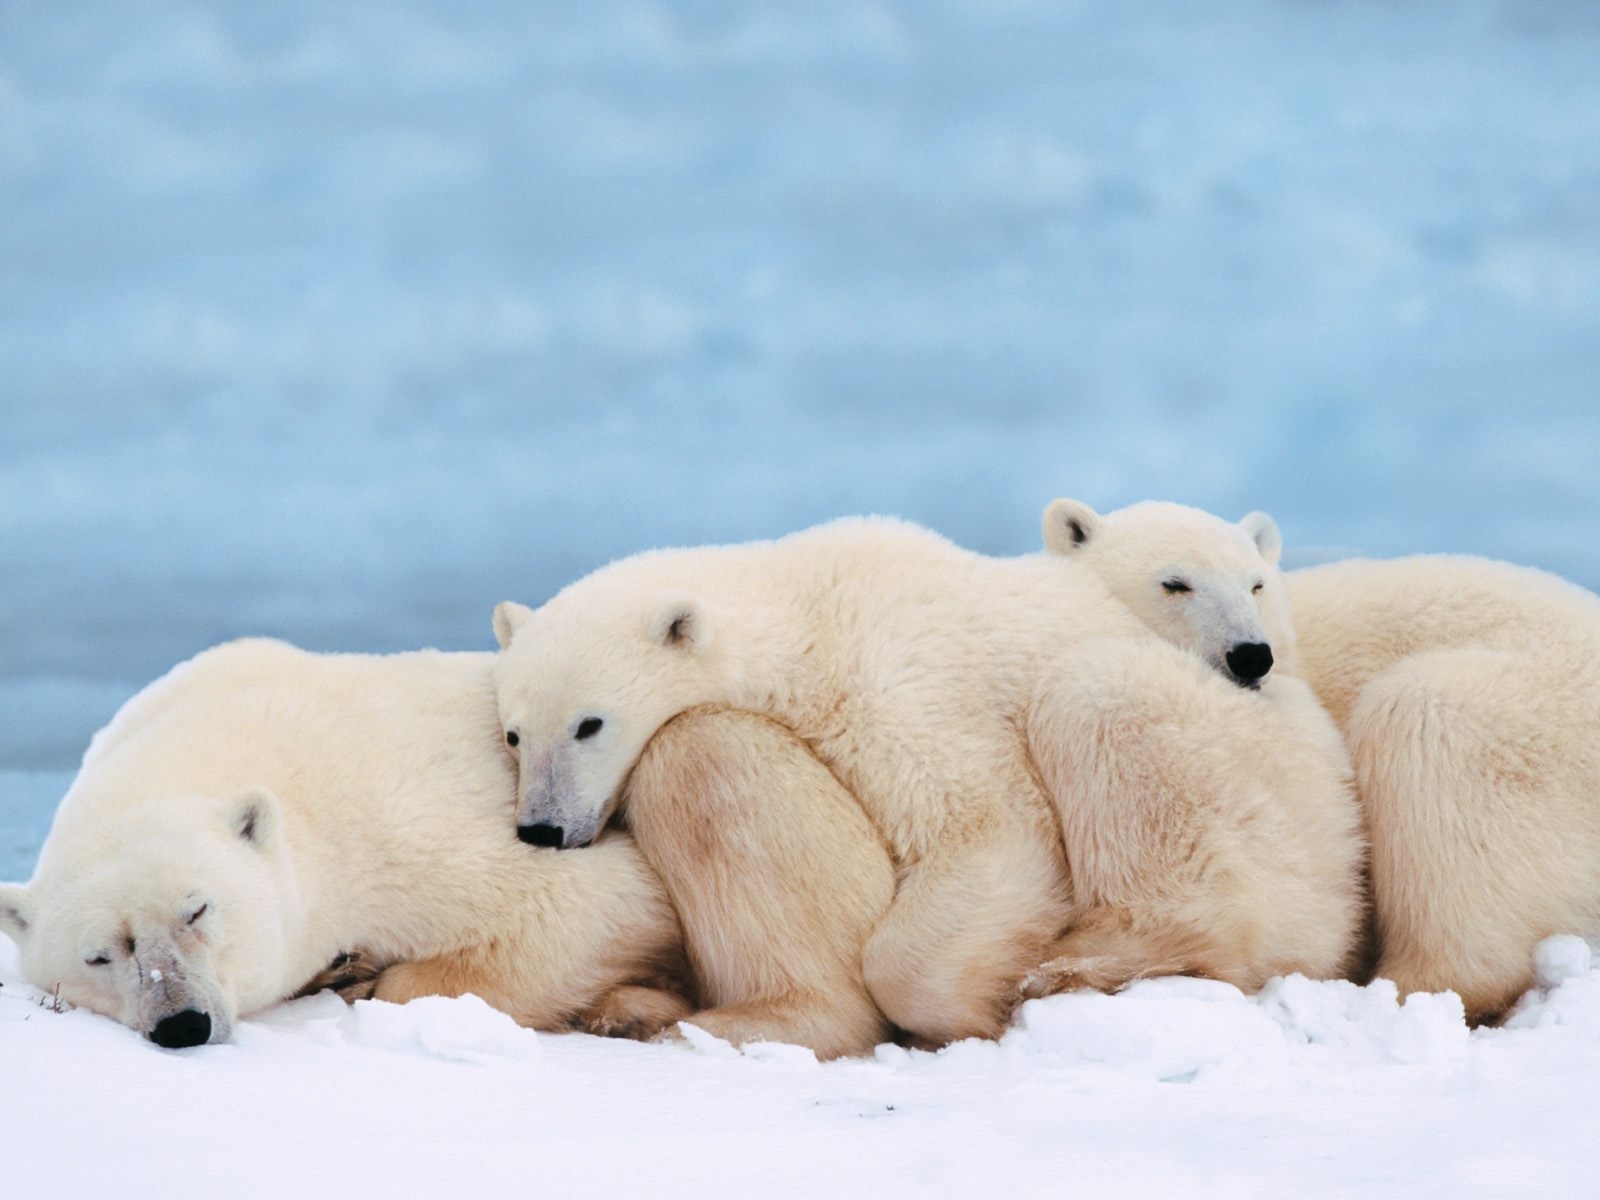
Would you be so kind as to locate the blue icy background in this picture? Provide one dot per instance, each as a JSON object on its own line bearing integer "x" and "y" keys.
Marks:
{"x": 344, "y": 321}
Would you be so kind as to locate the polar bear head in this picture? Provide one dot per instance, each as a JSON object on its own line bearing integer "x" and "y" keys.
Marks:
{"x": 584, "y": 683}
{"x": 1206, "y": 585}
{"x": 168, "y": 926}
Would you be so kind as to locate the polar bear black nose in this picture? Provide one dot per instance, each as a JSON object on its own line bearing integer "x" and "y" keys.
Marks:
{"x": 187, "y": 1028}
{"x": 541, "y": 835}
{"x": 1250, "y": 661}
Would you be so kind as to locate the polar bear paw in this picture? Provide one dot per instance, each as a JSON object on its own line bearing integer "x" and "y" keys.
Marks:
{"x": 1075, "y": 972}
{"x": 635, "y": 1012}
{"x": 352, "y": 976}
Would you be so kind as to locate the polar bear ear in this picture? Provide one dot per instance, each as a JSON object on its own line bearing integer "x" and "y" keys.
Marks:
{"x": 16, "y": 913}
{"x": 1069, "y": 526}
{"x": 257, "y": 818}
{"x": 681, "y": 624}
{"x": 1263, "y": 531}
{"x": 508, "y": 618}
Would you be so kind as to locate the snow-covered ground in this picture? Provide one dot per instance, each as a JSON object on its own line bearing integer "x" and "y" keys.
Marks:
{"x": 1175, "y": 1088}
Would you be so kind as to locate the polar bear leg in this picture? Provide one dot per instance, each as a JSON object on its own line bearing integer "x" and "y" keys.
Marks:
{"x": 1477, "y": 771}
{"x": 1209, "y": 830}
{"x": 969, "y": 921}
{"x": 552, "y": 935}
{"x": 777, "y": 875}
{"x": 1107, "y": 951}
{"x": 633, "y": 1010}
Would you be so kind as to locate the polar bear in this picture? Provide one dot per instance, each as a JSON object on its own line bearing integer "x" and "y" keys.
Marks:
{"x": 261, "y": 810}
{"x": 972, "y": 721}
{"x": 1468, "y": 692}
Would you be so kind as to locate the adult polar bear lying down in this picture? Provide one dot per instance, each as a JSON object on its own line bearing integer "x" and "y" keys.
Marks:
{"x": 1468, "y": 691}
{"x": 261, "y": 809}
{"x": 975, "y": 707}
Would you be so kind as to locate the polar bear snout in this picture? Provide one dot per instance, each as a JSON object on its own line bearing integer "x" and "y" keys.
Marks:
{"x": 555, "y": 812}
{"x": 1249, "y": 662}
{"x": 191, "y": 1027}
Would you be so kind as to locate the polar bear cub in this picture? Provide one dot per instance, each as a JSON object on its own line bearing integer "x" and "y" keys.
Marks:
{"x": 1467, "y": 690}
{"x": 974, "y": 722}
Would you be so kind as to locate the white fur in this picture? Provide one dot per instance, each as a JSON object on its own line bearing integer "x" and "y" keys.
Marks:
{"x": 1469, "y": 694}
{"x": 956, "y": 696}
{"x": 1146, "y": 552}
{"x": 306, "y": 806}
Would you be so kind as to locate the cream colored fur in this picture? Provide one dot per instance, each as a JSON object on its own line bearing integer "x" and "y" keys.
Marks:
{"x": 1192, "y": 578}
{"x": 1468, "y": 692}
{"x": 306, "y": 806}
{"x": 1213, "y": 830}
{"x": 962, "y": 700}
{"x": 1286, "y": 896}
{"x": 778, "y": 875}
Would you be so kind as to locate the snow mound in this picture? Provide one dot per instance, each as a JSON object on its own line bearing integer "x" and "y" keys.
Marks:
{"x": 704, "y": 1042}
{"x": 1368, "y": 1024}
{"x": 463, "y": 1029}
{"x": 1174, "y": 1030}
{"x": 1560, "y": 958}
{"x": 1201, "y": 1031}
{"x": 1568, "y": 991}
{"x": 459, "y": 1029}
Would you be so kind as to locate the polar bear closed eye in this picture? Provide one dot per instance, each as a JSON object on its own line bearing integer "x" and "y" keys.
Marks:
{"x": 172, "y": 934}
{"x": 1204, "y": 584}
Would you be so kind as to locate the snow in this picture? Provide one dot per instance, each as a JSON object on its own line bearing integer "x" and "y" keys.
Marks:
{"x": 1561, "y": 958}
{"x": 1176, "y": 1087}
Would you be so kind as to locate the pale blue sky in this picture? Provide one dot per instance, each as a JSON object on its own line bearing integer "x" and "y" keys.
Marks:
{"x": 344, "y": 321}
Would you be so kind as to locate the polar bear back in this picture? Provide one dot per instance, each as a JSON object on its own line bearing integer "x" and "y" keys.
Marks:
{"x": 907, "y": 663}
{"x": 195, "y": 733}
{"x": 1358, "y": 617}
